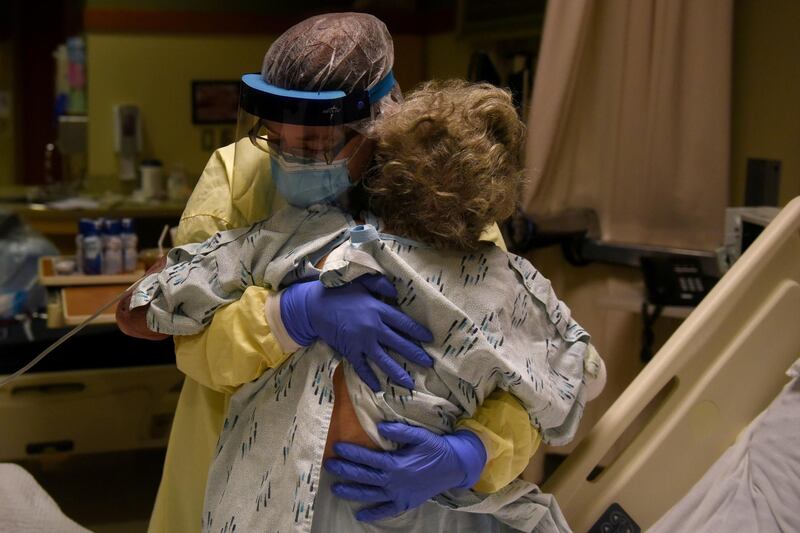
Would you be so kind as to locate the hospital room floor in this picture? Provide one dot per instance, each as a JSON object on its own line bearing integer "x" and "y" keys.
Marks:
{"x": 106, "y": 493}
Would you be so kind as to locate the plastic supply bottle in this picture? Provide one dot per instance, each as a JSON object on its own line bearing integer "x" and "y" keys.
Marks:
{"x": 92, "y": 249}
{"x": 102, "y": 232}
{"x": 102, "y": 228}
{"x": 83, "y": 226}
{"x": 112, "y": 249}
{"x": 130, "y": 244}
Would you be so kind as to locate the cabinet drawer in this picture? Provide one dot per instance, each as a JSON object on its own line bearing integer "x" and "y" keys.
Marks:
{"x": 88, "y": 411}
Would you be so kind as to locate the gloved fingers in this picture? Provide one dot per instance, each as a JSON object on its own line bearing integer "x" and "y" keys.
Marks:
{"x": 365, "y": 373}
{"x": 360, "y": 493}
{"x": 377, "y": 284}
{"x": 404, "y": 433}
{"x": 396, "y": 373}
{"x": 405, "y": 348}
{"x": 404, "y": 324}
{"x": 355, "y": 472}
{"x": 379, "y": 512}
{"x": 378, "y": 460}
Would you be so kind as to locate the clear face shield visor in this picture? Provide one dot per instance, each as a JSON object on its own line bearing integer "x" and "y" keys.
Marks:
{"x": 313, "y": 129}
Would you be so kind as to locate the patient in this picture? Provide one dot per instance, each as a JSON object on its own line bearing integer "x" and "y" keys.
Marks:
{"x": 448, "y": 165}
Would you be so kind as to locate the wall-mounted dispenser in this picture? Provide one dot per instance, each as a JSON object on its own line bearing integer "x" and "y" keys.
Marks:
{"x": 127, "y": 140}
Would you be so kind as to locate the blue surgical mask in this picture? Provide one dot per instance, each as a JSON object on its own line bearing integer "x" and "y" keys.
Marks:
{"x": 305, "y": 182}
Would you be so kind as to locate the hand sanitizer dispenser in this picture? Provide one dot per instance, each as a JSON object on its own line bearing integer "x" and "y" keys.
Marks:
{"x": 127, "y": 140}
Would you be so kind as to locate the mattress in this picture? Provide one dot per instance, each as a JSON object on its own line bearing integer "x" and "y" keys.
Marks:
{"x": 755, "y": 484}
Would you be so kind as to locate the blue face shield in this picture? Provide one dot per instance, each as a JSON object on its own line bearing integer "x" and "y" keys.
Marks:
{"x": 300, "y": 135}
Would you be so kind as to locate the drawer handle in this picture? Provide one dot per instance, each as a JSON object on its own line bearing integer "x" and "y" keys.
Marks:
{"x": 37, "y": 448}
{"x": 49, "y": 388}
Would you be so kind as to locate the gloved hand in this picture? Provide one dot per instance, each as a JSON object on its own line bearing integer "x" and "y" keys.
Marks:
{"x": 426, "y": 466}
{"x": 355, "y": 323}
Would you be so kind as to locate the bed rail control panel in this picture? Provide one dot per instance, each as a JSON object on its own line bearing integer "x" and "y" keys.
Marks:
{"x": 615, "y": 520}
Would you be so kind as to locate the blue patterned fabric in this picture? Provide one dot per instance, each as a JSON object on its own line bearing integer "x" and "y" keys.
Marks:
{"x": 496, "y": 323}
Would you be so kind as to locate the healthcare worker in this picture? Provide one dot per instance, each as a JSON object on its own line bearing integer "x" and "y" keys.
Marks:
{"x": 346, "y": 60}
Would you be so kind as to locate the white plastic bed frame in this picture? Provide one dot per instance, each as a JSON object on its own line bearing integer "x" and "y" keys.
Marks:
{"x": 722, "y": 367}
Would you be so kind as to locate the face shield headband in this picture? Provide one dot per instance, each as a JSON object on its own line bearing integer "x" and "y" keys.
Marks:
{"x": 309, "y": 108}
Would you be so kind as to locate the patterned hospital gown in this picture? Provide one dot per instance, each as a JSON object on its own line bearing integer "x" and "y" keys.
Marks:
{"x": 496, "y": 323}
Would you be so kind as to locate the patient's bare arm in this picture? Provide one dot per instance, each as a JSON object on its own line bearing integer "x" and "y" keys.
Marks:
{"x": 133, "y": 322}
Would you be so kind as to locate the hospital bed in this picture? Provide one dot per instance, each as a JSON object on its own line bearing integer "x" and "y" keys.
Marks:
{"x": 716, "y": 374}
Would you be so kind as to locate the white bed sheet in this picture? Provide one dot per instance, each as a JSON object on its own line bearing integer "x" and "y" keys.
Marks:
{"x": 755, "y": 485}
{"x": 25, "y": 507}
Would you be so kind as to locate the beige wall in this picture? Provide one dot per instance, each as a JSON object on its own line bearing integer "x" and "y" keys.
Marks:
{"x": 6, "y": 121}
{"x": 446, "y": 56}
{"x": 409, "y": 60}
{"x": 766, "y": 91}
{"x": 155, "y": 73}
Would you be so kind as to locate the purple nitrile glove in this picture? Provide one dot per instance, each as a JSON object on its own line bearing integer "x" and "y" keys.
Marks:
{"x": 354, "y": 322}
{"x": 399, "y": 480}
